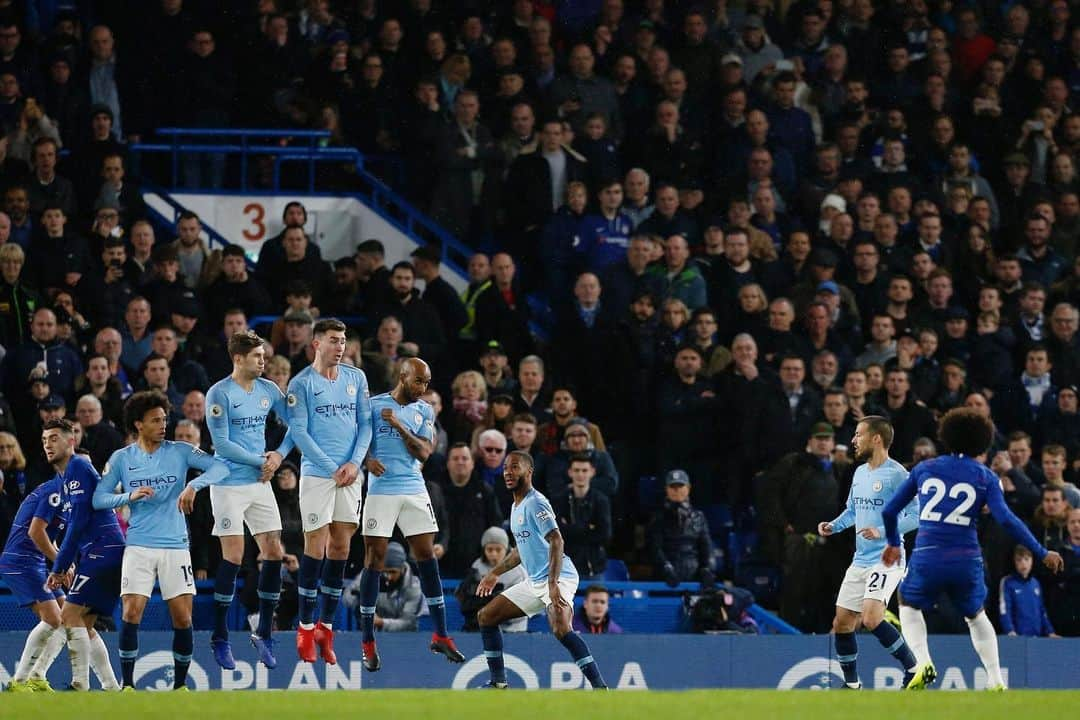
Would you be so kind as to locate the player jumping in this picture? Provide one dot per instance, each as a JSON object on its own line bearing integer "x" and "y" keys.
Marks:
{"x": 868, "y": 584}
{"x": 236, "y": 411}
{"x": 403, "y": 430}
{"x": 552, "y": 580}
{"x": 328, "y": 401}
{"x": 157, "y": 537}
{"x": 952, "y": 491}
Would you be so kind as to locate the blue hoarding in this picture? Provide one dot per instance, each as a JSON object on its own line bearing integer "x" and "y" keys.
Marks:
{"x": 629, "y": 662}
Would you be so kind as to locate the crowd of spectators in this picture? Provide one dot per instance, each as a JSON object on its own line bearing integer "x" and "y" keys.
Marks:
{"x": 754, "y": 225}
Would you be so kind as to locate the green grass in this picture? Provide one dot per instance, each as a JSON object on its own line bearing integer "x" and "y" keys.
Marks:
{"x": 566, "y": 705}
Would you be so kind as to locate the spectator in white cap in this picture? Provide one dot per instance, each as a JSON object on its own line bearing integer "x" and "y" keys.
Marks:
{"x": 755, "y": 49}
{"x": 494, "y": 544}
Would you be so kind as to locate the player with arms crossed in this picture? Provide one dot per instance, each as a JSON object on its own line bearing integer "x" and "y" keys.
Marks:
{"x": 236, "y": 412}
{"x": 403, "y": 433}
{"x": 24, "y": 567}
{"x": 552, "y": 578}
{"x": 157, "y": 536}
{"x": 92, "y": 535}
{"x": 868, "y": 584}
{"x": 952, "y": 491}
{"x": 328, "y": 401}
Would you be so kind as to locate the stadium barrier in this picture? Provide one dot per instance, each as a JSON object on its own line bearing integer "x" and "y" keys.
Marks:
{"x": 629, "y": 662}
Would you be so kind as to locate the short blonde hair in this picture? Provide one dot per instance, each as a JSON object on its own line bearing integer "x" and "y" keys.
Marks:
{"x": 20, "y": 458}
{"x": 12, "y": 251}
{"x": 464, "y": 377}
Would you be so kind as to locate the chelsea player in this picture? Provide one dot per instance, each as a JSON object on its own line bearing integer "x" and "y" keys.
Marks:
{"x": 92, "y": 542}
{"x": 868, "y": 584}
{"x": 23, "y": 567}
{"x": 403, "y": 433}
{"x": 157, "y": 536}
{"x": 330, "y": 421}
{"x": 952, "y": 491}
{"x": 552, "y": 578}
{"x": 236, "y": 412}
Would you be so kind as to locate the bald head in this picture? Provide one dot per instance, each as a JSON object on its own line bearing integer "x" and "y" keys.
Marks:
{"x": 413, "y": 379}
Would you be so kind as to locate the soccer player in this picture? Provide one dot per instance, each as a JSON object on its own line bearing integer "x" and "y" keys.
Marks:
{"x": 331, "y": 402}
{"x": 23, "y": 567}
{"x": 157, "y": 538}
{"x": 236, "y": 413}
{"x": 868, "y": 584}
{"x": 403, "y": 431}
{"x": 952, "y": 491}
{"x": 552, "y": 578}
{"x": 92, "y": 535}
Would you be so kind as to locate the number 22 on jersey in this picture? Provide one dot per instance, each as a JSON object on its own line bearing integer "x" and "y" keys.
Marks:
{"x": 935, "y": 489}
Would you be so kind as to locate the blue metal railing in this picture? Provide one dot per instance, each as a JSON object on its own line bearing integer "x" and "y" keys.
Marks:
{"x": 375, "y": 193}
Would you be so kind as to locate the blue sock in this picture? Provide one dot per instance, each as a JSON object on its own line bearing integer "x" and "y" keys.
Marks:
{"x": 493, "y": 652}
{"x": 306, "y": 585}
{"x": 224, "y": 589}
{"x": 269, "y": 593}
{"x": 333, "y": 579}
{"x": 580, "y": 652}
{"x": 431, "y": 584}
{"x": 183, "y": 645}
{"x": 129, "y": 650}
{"x": 847, "y": 650}
{"x": 369, "y": 595}
{"x": 893, "y": 641}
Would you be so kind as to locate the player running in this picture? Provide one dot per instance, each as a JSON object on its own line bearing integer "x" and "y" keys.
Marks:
{"x": 328, "y": 401}
{"x": 868, "y": 584}
{"x": 552, "y": 580}
{"x": 94, "y": 537}
{"x": 952, "y": 491}
{"x": 403, "y": 432}
{"x": 236, "y": 412}
{"x": 157, "y": 536}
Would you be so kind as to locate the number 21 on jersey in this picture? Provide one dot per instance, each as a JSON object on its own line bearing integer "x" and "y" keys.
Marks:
{"x": 935, "y": 488}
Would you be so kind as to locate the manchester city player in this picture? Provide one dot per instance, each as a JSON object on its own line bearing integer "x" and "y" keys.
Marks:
{"x": 157, "y": 537}
{"x": 328, "y": 401}
{"x": 92, "y": 542}
{"x": 30, "y": 545}
{"x": 403, "y": 432}
{"x": 868, "y": 584}
{"x": 952, "y": 491}
{"x": 236, "y": 412}
{"x": 552, "y": 578}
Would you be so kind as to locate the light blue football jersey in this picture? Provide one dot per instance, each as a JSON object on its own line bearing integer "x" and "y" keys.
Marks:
{"x": 531, "y": 520}
{"x": 237, "y": 422}
{"x": 402, "y": 476}
{"x": 330, "y": 420}
{"x": 870, "y": 491}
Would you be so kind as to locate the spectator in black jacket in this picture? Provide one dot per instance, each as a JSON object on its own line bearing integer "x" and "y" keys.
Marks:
{"x": 420, "y": 320}
{"x": 297, "y": 265}
{"x": 100, "y": 437}
{"x": 471, "y": 508}
{"x": 236, "y": 288}
{"x": 186, "y": 374}
{"x": 686, "y": 408}
{"x": 205, "y": 86}
{"x": 911, "y": 418}
{"x": 56, "y": 249}
{"x": 584, "y": 517}
{"x": 17, "y": 299}
{"x": 502, "y": 311}
{"x": 438, "y": 292}
{"x": 679, "y": 536}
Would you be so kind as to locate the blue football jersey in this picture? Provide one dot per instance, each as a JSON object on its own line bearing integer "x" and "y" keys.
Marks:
{"x": 330, "y": 420}
{"x": 87, "y": 527}
{"x": 156, "y": 522}
{"x": 870, "y": 491}
{"x": 43, "y": 502}
{"x": 237, "y": 422}
{"x": 952, "y": 490}
{"x": 402, "y": 476}
{"x": 531, "y": 521}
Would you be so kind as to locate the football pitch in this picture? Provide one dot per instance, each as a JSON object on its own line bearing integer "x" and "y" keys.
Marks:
{"x": 511, "y": 705}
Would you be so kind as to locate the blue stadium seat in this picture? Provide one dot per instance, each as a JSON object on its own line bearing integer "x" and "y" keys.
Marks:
{"x": 649, "y": 493}
{"x": 616, "y": 571}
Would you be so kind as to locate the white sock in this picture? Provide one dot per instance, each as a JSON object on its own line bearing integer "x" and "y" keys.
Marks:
{"x": 48, "y": 656}
{"x": 913, "y": 627}
{"x": 36, "y": 643}
{"x": 100, "y": 664}
{"x": 984, "y": 639}
{"x": 79, "y": 652}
